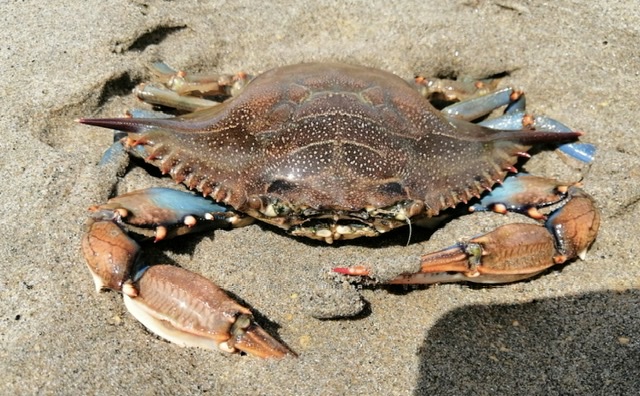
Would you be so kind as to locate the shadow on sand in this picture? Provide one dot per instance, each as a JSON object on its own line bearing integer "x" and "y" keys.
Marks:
{"x": 578, "y": 345}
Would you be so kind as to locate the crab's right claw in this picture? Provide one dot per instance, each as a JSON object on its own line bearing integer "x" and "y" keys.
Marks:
{"x": 190, "y": 310}
{"x": 178, "y": 305}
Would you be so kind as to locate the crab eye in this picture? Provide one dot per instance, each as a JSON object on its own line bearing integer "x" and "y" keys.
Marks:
{"x": 281, "y": 186}
{"x": 392, "y": 188}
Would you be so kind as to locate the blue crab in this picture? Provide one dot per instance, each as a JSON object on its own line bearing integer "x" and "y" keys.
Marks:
{"x": 330, "y": 152}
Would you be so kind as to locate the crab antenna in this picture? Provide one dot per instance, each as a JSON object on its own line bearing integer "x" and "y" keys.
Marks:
{"x": 410, "y": 231}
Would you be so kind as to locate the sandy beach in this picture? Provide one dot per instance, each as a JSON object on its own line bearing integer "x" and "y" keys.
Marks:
{"x": 573, "y": 330}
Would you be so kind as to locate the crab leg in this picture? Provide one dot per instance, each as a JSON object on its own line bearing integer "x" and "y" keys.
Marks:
{"x": 514, "y": 118}
{"x": 185, "y": 91}
{"x": 453, "y": 90}
{"x": 161, "y": 96}
{"x": 514, "y": 251}
{"x": 475, "y": 108}
{"x": 178, "y": 305}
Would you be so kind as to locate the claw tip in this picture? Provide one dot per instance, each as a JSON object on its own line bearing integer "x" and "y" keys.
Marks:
{"x": 357, "y": 270}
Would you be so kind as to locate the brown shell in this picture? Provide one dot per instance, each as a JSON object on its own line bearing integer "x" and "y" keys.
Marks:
{"x": 329, "y": 139}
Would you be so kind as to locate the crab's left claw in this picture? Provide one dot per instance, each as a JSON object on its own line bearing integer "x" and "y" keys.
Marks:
{"x": 190, "y": 310}
{"x": 507, "y": 254}
{"x": 515, "y": 251}
{"x": 511, "y": 252}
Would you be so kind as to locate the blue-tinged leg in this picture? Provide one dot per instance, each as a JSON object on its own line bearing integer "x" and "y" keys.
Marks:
{"x": 584, "y": 152}
{"x": 114, "y": 154}
{"x": 145, "y": 113}
{"x": 512, "y": 120}
{"x": 518, "y": 105}
{"x": 474, "y": 108}
{"x": 523, "y": 193}
{"x": 166, "y": 211}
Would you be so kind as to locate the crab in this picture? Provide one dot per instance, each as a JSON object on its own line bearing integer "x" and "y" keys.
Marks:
{"x": 329, "y": 152}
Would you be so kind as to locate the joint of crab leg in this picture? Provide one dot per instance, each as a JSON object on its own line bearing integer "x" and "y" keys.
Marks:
{"x": 511, "y": 169}
{"x": 575, "y": 225}
{"x": 190, "y": 221}
{"x": 498, "y": 208}
{"x": 161, "y": 233}
{"x": 250, "y": 338}
{"x": 515, "y": 95}
{"x": 107, "y": 212}
{"x": 534, "y": 213}
{"x": 190, "y": 310}
{"x": 528, "y": 120}
{"x": 109, "y": 254}
{"x": 128, "y": 289}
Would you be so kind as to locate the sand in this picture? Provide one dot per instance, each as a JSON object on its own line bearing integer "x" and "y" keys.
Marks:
{"x": 574, "y": 330}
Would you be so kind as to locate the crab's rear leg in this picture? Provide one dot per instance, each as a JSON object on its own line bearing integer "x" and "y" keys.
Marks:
{"x": 514, "y": 251}
{"x": 178, "y": 305}
{"x": 515, "y": 119}
{"x": 188, "y": 92}
{"x": 474, "y": 100}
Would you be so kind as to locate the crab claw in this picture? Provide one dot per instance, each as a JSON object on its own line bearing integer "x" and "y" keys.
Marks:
{"x": 511, "y": 252}
{"x": 178, "y": 305}
{"x": 190, "y": 310}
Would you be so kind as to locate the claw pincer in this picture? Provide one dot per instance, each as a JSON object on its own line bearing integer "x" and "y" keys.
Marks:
{"x": 176, "y": 304}
{"x": 190, "y": 310}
